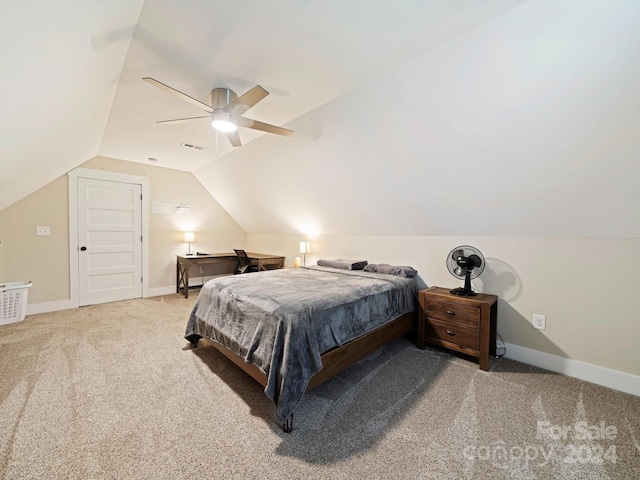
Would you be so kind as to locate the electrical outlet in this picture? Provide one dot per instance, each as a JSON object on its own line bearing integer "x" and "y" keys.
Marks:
{"x": 43, "y": 231}
{"x": 539, "y": 321}
{"x": 201, "y": 269}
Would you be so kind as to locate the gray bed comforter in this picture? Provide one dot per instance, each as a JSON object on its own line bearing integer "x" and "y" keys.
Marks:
{"x": 283, "y": 320}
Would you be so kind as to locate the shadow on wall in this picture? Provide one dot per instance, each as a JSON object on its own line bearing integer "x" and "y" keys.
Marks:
{"x": 500, "y": 279}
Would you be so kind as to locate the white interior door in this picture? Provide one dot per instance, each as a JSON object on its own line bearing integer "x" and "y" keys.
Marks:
{"x": 109, "y": 241}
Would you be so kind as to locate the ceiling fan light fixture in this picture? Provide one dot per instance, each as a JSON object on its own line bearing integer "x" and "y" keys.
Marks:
{"x": 226, "y": 110}
{"x": 221, "y": 121}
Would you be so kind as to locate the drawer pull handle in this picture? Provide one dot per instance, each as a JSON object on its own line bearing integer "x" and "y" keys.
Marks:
{"x": 451, "y": 312}
{"x": 449, "y": 332}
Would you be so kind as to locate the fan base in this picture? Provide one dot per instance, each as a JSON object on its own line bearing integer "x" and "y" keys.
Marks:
{"x": 463, "y": 292}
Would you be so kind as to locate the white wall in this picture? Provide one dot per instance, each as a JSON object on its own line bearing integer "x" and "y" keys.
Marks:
{"x": 580, "y": 284}
{"x": 45, "y": 260}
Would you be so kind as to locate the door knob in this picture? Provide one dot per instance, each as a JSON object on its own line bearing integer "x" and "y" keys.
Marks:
{"x": 83, "y": 248}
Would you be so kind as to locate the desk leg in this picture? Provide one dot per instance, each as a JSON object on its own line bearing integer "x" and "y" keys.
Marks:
{"x": 182, "y": 278}
{"x": 262, "y": 266}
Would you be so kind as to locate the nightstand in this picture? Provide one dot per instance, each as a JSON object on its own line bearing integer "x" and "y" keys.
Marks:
{"x": 464, "y": 324}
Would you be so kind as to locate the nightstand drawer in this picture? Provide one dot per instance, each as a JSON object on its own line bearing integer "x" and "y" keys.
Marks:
{"x": 452, "y": 312}
{"x": 453, "y": 332}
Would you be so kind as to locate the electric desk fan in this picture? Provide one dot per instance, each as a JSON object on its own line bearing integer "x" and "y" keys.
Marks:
{"x": 465, "y": 262}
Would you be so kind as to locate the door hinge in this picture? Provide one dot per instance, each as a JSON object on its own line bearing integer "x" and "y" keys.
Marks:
{"x": 141, "y": 278}
{"x": 140, "y": 237}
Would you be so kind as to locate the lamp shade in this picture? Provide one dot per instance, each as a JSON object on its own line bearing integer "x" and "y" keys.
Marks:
{"x": 189, "y": 237}
{"x": 305, "y": 247}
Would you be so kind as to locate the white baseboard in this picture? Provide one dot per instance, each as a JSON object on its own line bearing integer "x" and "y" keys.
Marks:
{"x": 606, "y": 377}
{"x": 158, "y": 291}
{"x": 46, "y": 307}
{"x": 35, "y": 308}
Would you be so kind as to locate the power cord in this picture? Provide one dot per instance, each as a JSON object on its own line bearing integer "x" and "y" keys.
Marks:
{"x": 500, "y": 344}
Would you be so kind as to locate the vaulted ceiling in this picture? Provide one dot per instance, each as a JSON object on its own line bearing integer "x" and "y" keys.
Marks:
{"x": 408, "y": 114}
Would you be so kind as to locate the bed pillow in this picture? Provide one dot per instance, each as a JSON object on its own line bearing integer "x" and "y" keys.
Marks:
{"x": 343, "y": 264}
{"x": 397, "y": 270}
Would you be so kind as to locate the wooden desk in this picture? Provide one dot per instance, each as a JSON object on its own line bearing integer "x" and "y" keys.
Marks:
{"x": 262, "y": 260}
{"x": 265, "y": 261}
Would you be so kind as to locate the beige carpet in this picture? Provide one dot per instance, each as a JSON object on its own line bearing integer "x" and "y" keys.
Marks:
{"x": 114, "y": 391}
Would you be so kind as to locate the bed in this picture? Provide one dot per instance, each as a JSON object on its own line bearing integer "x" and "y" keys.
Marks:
{"x": 292, "y": 329}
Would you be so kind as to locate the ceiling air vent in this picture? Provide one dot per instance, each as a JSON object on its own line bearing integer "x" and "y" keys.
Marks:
{"x": 191, "y": 145}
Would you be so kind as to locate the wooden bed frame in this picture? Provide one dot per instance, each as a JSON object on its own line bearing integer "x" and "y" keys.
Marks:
{"x": 337, "y": 359}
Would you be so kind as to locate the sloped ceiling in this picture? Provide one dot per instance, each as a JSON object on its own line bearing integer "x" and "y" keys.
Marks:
{"x": 305, "y": 53}
{"x": 72, "y": 70}
{"x": 412, "y": 117}
{"x": 61, "y": 61}
{"x": 526, "y": 125}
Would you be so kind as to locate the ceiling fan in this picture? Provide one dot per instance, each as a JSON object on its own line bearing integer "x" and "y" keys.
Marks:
{"x": 226, "y": 110}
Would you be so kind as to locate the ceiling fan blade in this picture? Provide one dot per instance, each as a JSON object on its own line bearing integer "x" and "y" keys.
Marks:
{"x": 181, "y": 120}
{"x": 234, "y": 138}
{"x": 264, "y": 127}
{"x": 183, "y": 96}
{"x": 245, "y": 101}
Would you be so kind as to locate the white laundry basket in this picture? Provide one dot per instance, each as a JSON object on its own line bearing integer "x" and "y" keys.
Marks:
{"x": 13, "y": 301}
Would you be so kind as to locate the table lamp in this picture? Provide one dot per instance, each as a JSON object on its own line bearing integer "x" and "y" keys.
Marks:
{"x": 305, "y": 247}
{"x": 188, "y": 238}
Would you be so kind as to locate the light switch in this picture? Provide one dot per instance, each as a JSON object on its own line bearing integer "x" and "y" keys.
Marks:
{"x": 43, "y": 231}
